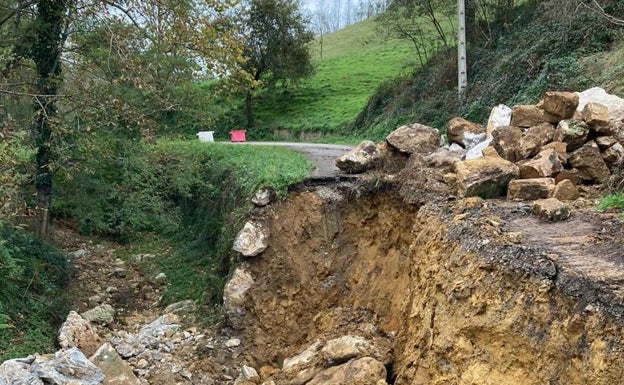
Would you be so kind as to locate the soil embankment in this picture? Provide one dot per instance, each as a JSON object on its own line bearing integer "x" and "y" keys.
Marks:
{"x": 465, "y": 292}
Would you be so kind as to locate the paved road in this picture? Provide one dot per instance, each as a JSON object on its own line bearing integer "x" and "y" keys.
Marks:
{"x": 321, "y": 155}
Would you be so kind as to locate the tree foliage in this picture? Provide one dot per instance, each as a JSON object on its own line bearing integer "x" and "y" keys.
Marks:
{"x": 276, "y": 40}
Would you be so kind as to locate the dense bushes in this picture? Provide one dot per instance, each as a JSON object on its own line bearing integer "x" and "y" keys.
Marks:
{"x": 541, "y": 51}
{"x": 32, "y": 304}
{"x": 192, "y": 194}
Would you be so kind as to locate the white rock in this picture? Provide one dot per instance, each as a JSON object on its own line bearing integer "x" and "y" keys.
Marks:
{"x": 614, "y": 103}
{"x": 68, "y": 367}
{"x": 100, "y": 314}
{"x": 235, "y": 289}
{"x": 247, "y": 373}
{"x": 232, "y": 343}
{"x": 477, "y": 151}
{"x": 471, "y": 139}
{"x": 499, "y": 116}
{"x": 344, "y": 348}
{"x": 251, "y": 240}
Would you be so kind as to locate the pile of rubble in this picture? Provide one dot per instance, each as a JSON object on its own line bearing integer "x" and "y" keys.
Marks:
{"x": 550, "y": 153}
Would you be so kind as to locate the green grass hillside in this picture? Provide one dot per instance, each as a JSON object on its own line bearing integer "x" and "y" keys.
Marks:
{"x": 355, "y": 61}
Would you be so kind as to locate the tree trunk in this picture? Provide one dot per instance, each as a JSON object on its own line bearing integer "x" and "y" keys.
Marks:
{"x": 249, "y": 109}
{"x": 46, "y": 55}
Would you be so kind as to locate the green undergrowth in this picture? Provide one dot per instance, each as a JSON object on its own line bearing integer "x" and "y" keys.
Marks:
{"x": 32, "y": 304}
{"x": 181, "y": 200}
{"x": 612, "y": 202}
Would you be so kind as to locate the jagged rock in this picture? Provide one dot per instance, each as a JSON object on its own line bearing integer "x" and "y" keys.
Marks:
{"x": 499, "y": 116}
{"x": 414, "y": 138}
{"x": 614, "y": 103}
{"x": 605, "y": 142}
{"x": 163, "y": 327}
{"x": 572, "y": 132}
{"x": 103, "y": 314}
{"x": 506, "y": 141}
{"x": 614, "y": 155}
{"x": 234, "y": 291}
{"x": 67, "y": 367}
{"x": 477, "y": 151}
{"x": 534, "y": 139}
{"x": 184, "y": 309}
{"x": 530, "y": 189}
{"x": 263, "y": 197}
{"x": 19, "y": 372}
{"x": 571, "y": 175}
{"x": 78, "y": 332}
{"x": 363, "y": 371}
{"x": 596, "y": 115}
{"x": 589, "y": 163}
{"x": 486, "y": 177}
{"x": 360, "y": 159}
{"x": 551, "y": 209}
{"x": 490, "y": 151}
{"x": 472, "y": 140}
{"x": 342, "y": 349}
{"x": 305, "y": 365}
{"x": 527, "y": 116}
{"x": 160, "y": 279}
{"x": 565, "y": 191}
{"x": 545, "y": 164}
{"x": 456, "y": 148}
{"x": 80, "y": 253}
{"x": 116, "y": 371}
{"x": 127, "y": 344}
{"x": 247, "y": 375}
{"x": 560, "y": 148}
{"x": 457, "y": 127}
{"x": 252, "y": 239}
{"x": 559, "y": 105}
{"x": 444, "y": 158}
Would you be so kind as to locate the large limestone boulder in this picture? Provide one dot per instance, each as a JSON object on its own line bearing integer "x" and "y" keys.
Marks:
{"x": 414, "y": 138}
{"x": 457, "y": 127}
{"x": 545, "y": 164}
{"x": 506, "y": 141}
{"x": 572, "y": 132}
{"x": 252, "y": 240}
{"x": 559, "y": 105}
{"x": 363, "y": 371}
{"x": 77, "y": 332}
{"x": 534, "y": 139}
{"x": 116, "y": 371}
{"x": 486, "y": 177}
{"x": 443, "y": 158}
{"x": 565, "y": 191}
{"x": 302, "y": 367}
{"x": 589, "y": 163}
{"x": 235, "y": 290}
{"x": 596, "y": 115}
{"x": 614, "y": 103}
{"x": 343, "y": 349}
{"x": 527, "y": 116}
{"x": 103, "y": 314}
{"x": 530, "y": 189}
{"x": 19, "y": 371}
{"x": 551, "y": 209}
{"x": 499, "y": 116}
{"x": 67, "y": 367}
{"x": 360, "y": 159}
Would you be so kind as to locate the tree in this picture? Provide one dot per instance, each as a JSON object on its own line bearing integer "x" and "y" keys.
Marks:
{"x": 276, "y": 45}
{"x": 118, "y": 63}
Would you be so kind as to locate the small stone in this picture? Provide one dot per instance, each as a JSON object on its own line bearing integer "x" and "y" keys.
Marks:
{"x": 160, "y": 278}
{"x": 142, "y": 364}
{"x": 232, "y": 343}
{"x": 477, "y": 151}
{"x": 247, "y": 374}
{"x": 551, "y": 209}
{"x": 119, "y": 272}
{"x": 78, "y": 254}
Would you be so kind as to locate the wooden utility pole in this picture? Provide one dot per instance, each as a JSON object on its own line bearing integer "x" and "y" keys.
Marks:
{"x": 462, "y": 67}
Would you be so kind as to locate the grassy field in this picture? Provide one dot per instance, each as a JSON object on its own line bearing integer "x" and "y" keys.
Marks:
{"x": 355, "y": 61}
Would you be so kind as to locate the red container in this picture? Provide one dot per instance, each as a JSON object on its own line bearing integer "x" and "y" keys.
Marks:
{"x": 237, "y": 136}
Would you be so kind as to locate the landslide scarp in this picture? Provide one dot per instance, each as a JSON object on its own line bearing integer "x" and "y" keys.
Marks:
{"x": 465, "y": 292}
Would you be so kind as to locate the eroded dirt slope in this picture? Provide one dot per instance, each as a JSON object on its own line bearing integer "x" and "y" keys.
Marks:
{"x": 467, "y": 292}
